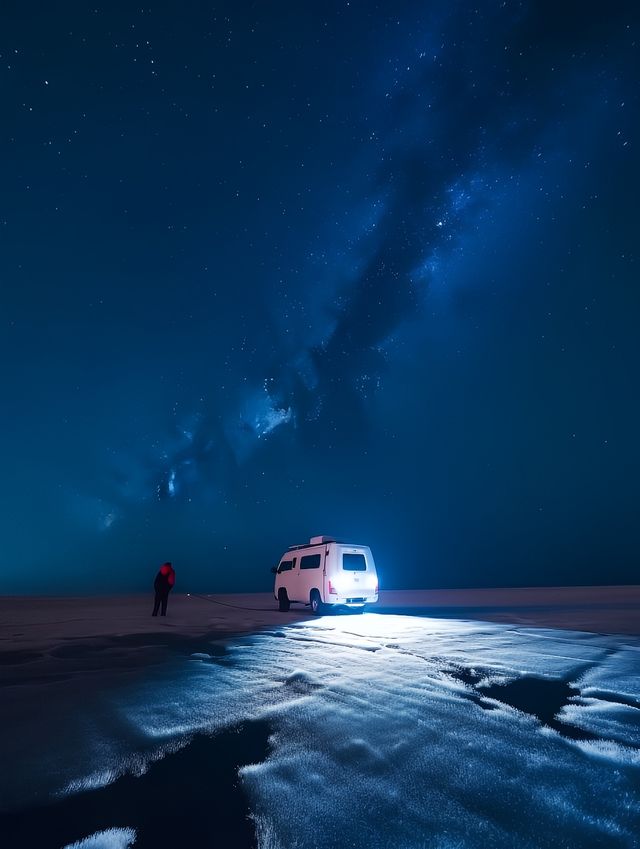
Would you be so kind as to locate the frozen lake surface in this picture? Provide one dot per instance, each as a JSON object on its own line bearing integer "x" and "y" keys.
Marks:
{"x": 371, "y": 731}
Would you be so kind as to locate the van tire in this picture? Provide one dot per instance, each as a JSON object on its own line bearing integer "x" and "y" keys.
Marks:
{"x": 283, "y": 601}
{"x": 317, "y": 607}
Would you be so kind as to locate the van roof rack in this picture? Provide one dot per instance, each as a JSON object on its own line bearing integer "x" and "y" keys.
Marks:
{"x": 321, "y": 540}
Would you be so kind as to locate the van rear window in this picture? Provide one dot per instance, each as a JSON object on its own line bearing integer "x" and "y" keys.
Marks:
{"x": 311, "y": 561}
{"x": 354, "y": 562}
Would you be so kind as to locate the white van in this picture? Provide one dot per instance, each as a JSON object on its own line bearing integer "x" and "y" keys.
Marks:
{"x": 325, "y": 572}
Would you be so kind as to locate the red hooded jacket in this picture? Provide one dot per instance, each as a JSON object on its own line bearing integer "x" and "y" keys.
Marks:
{"x": 165, "y": 579}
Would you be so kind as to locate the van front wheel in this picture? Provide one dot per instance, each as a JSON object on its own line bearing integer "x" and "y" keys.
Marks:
{"x": 283, "y": 601}
{"x": 316, "y": 603}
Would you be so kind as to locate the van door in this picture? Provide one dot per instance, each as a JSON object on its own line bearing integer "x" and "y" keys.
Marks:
{"x": 353, "y": 577}
{"x": 310, "y": 574}
{"x": 287, "y": 577}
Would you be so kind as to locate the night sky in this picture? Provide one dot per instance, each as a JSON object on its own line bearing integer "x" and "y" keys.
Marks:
{"x": 278, "y": 269}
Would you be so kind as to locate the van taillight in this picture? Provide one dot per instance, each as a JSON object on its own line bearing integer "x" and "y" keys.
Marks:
{"x": 332, "y": 589}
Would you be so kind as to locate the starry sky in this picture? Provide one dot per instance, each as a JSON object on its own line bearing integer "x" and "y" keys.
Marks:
{"x": 271, "y": 270}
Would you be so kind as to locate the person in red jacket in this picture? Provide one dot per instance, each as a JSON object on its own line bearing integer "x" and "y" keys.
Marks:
{"x": 163, "y": 584}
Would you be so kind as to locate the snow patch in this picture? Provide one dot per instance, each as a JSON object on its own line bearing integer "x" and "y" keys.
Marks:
{"x": 112, "y": 838}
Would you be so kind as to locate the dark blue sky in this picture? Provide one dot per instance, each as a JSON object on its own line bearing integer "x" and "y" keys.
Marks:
{"x": 277, "y": 269}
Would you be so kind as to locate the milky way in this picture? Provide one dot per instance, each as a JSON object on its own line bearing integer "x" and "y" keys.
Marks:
{"x": 470, "y": 99}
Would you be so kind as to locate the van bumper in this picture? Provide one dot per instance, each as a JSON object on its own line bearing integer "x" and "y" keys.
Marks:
{"x": 352, "y": 601}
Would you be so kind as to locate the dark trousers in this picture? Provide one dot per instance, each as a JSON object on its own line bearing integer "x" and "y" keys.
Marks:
{"x": 161, "y": 599}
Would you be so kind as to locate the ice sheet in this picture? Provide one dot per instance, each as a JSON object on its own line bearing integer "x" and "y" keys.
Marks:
{"x": 385, "y": 734}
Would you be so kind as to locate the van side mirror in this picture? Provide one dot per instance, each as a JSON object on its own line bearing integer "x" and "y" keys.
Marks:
{"x": 274, "y": 569}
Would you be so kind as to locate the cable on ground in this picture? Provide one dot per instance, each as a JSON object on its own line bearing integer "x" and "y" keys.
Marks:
{"x": 227, "y": 604}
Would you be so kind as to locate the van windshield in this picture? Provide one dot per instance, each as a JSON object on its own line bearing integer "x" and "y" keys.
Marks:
{"x": 354, "y": 562}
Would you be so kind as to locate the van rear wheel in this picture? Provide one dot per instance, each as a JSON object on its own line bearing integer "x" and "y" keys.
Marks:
{"x": 317, "y": 606}
{"x": 283, "y": 601}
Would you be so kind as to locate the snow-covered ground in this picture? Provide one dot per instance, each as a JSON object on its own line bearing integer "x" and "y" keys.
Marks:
{"x": 387, "y": 731}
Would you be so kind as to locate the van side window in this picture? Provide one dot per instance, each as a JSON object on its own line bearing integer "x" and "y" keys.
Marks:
{"x": 311, "y": 561}
{"x": 354, "y": 562}
{"x": 286, "y": 566}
